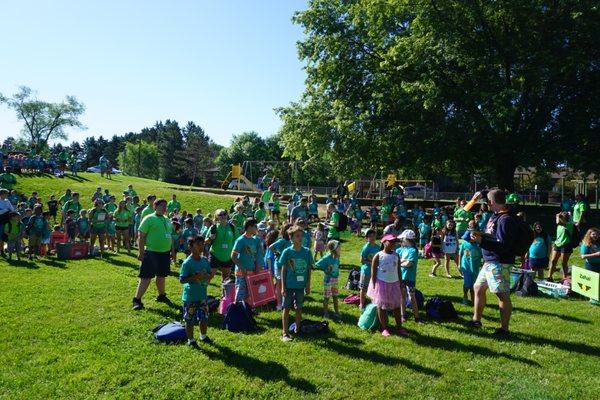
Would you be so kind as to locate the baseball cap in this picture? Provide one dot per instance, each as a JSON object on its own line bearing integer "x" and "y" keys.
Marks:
{"x": 407, "y": 234}
{"x": 389, "y": 238}
{"x": 262, "y": 226}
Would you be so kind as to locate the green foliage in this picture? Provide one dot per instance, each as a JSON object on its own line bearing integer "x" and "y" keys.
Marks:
{"x": 197, "y": 154}
{"x": 412, "y": 84}
{"x": 44, "y": 120}
{"x": 140, "y": 159}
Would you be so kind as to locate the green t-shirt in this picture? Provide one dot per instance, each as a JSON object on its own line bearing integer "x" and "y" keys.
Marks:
{"x": 13, "y": 230}
{"x": 157, "y": 229}
{"x": 7, "y": 181}
{"x": 111, "y": 207}
{"x": 99, "y": 218}
{"x": 71, "y": 205}
{"x": 173, "y": 205}
{"x": 260, "y": 215}
{"x": 238, "y": 221}
{"x": 578, "y": 210}
{"x": 564, "y": 234}
{"x": 276, "y": 205}
{"x": 248, "y": 250}
{"x": 462, "y": 217}
{"x": 368, "y": 252}
{"x": 194, "y": 291}
{"x": 329, "y": 265}
{"x": 223, "y": 243}
{"x": 147, "y": 211}
{"x": 123, "y": 218}
{"x": 297, "y": 264}
{"x": 63, "y": 200}
{"x": 333, "y": 231}
{"x": 266, "y": 196}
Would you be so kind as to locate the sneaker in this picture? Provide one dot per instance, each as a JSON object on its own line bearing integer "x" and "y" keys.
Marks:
{"x": 448, "y": 276}
{"x": 192, "y": 343}
{"x": 466, "y": 302}
{"x": 162, "y": 298}
{"x": 474, "y": 324}
{"x": 385, "y": 333}
{"x": 286, "y": 338}
{"x": 402, "y": 332}
{"x": 432, "y": 275}
{"x": 137, "y": 304}
{"x": 206, "y": 340}
{"x": 501, "y": 333}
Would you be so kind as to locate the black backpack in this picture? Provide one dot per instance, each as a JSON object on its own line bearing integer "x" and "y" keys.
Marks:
{"x": 239, "y": 318}
{"x": 526, "y": 285}
{"x": 308, "y": 326}
{"x": 353, "y": 280}
{"x": 343, "y": 223}
{"x": 438, "y": 308}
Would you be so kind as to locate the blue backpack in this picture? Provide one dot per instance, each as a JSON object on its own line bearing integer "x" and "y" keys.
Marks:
{"x": 239, "y": 318}
{"x": 420, "y": 300}
{"x": 438, "y": 308}
{"x": 310, "y": 327}
{"x": 173, "y": 332}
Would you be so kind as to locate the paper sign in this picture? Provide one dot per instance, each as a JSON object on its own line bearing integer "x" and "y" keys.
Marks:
{"x": 585, "y": 283}
{"x": 260, "y": 289}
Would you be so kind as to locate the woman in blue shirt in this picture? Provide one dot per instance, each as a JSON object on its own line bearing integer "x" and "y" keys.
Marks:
{"x": 590, "y": 249}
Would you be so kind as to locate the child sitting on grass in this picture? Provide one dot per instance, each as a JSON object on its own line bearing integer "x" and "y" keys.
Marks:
{"x": 330, "y": 264}
{"x": 470, "y": 261}
{"x": 194, "y": 275}
{"x": 409, "y": 258}
{"x": 367, "y": 253}
{"x": 296, "y": 263}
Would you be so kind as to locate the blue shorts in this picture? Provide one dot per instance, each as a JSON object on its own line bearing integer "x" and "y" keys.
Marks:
{"x": 469, "y": 278}
{"x": 195, "y": 312}
{"x": 241, "y": 289}
{"x": 293, "y": 296}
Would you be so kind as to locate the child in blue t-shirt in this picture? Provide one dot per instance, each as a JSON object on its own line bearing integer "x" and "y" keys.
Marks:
{"x": 245, "y": 255}
{"x": 277, "y": 249}
{"x": 367, "y": 253}
{"x": 409, "y": 259}
{"x": 470, "y": 261}
{"x": 424, "y": 231}
{"x": 296, "y": 263}
{"x": 176, "y": 238}
{"x": 539, "y": 250}
{"x": 330, "y": 264}
{"x": 194, "y": 275}
{"x": 198, "y": 219}
{"x": 83, "y": 225}
{"x": 188, "y": 232}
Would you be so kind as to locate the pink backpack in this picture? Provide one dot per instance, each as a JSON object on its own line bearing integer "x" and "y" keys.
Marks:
{"x": 228, "y": 296}
{"x": 352, "y": 299}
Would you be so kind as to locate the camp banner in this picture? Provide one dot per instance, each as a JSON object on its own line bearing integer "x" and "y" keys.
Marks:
{"x": 585, "y": 282}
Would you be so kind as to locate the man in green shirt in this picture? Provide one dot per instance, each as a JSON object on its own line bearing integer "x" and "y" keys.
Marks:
{"x": 154, "y": 244}
{"x": 149, "y": 207}
{"x": 462, "y": 217}
{"x": 7, "y": 180}
{"x": 221, "y": 238}
{"x": 72, "y": 204}
{"x": 334, "y": 222}
{"x": 66, "y": 197}
{"x": 173, "y": 205}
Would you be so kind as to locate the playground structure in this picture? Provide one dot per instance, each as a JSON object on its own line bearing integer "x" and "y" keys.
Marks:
{"x": 377, "y": 186}
{"x": 244, "y": 175}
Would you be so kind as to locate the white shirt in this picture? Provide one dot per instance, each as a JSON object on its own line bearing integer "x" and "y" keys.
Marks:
{"x": 387, "y": 270}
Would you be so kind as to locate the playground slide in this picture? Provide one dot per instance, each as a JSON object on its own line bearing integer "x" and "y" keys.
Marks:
{"x": 248, "y": 183}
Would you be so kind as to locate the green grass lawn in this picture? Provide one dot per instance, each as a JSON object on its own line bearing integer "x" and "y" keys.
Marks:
{"x": 68, "y": 331}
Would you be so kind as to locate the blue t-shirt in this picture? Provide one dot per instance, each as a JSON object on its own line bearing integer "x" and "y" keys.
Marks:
{"x": 187, "y": 233}
{"x": 409, "y": 254}
{"x": 194, "y": 291}
{"x": 248, "y": 249}
{"x": 470, "y": 256}
{"x": 306, "y": 238}
{"x": 539, "y": 247}
{"x": 329, "y": 265}
{"x": 198, "y": 219}
{"x": 594, "y": 261}
{"x": 424, "y": 232}
{"x": 83, "y": 224}
{"x": 297, "y": 264}
{"x": 278, "y": 247}
{"x": 313, "y": 208}
{"x": 368, "y": 251}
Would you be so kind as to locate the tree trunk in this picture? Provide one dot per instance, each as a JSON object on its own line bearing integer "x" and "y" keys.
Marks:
{"x": 505, "y": 175}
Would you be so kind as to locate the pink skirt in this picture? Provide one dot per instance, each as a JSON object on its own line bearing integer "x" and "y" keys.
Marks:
{"x": 385, "y": 295}
{"x": 319, "y": 245}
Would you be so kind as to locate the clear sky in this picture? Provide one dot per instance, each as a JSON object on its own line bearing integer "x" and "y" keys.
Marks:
{"x": 224, "y": 64}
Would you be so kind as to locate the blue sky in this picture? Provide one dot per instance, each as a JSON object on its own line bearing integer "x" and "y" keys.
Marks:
{"x": 223, "y": 64}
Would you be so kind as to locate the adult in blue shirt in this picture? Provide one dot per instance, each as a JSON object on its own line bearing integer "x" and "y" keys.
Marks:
{"x": 497, "y": 245}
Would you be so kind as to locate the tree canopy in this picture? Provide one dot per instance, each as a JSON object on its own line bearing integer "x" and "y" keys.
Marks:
{"x": 446, "y": 86}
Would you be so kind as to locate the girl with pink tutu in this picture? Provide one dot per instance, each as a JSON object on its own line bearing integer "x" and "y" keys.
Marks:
{"x": 385, "y": 287}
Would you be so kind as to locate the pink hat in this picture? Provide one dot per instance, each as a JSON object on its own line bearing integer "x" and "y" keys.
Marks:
{"x": 389, "y": 238}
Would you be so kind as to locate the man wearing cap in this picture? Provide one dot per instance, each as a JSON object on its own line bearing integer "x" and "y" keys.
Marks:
{"x": 154, "y": 244}
{"x": 300, "y": 211}
{"x": 395, "y": 228}
{"x": 497, "y": 246}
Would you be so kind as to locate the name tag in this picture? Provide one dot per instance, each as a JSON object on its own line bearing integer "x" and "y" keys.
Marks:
{"x": 300, "y": 278}
{"x": 168, "y": 236}
{"x": 224, "y": 246}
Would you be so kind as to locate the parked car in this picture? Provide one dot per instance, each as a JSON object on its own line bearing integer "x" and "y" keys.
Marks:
{"x": 96, "y": 169}
{"x": 418, "y": 192}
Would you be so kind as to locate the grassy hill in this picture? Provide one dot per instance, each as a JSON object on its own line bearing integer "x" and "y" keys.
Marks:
{"x": 68, "y": 332}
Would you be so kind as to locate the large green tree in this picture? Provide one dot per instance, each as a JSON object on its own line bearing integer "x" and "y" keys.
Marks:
{"x": 42, "y": 120}
{"x": 432, "y": 86}
{"x": 140, "y": 159}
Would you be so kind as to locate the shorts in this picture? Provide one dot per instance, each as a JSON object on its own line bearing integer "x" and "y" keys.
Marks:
{"x": 241, "y": 288}
{"x": 566, "y": 249}
{"x": 121, "y": 228}
{"x": 155, "y": 264}
{"x": 195, "y": 312}
{"x": 437, "y": 254}
{"x": 538, "y": 263}
{"x": 363, "y": 283}
{"x": 409, "y": 286}
{"x": 52, "y": 213}
{"x": 293, "y": 296}
{"x": 469, "y": 278}
{"x": 34, "y": 240}
{"x": 14, "y": 245}
{"x": 215, "y": 263}
{"x": 330, "y": 287}
{"x": 98, "y": 231}
{"x": 496, "y": 276}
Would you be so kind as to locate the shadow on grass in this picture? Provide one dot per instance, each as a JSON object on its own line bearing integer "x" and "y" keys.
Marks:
{"x": 529, "y": 311}
{"x": 77, "y": 178}
{"x": 580, "y": 348}
{"x": 454, "y": 345}
{"x": 23, "y": 263}
{"x": 172, "y": 313}
{"x": 341, "y": 346}
{"x": 53, "y": 263}
{"x": 253, "y": 367}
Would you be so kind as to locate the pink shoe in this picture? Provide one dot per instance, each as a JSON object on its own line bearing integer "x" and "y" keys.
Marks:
{"x": 402, "y": 332}
{"x": 385, "y": 333}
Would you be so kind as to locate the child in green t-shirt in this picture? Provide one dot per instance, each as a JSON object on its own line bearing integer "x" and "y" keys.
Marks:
{"x": 13, "y": 230}
{"x": 194, "y": 275}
